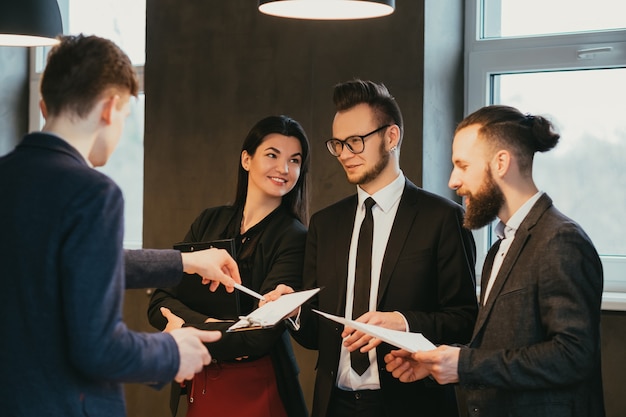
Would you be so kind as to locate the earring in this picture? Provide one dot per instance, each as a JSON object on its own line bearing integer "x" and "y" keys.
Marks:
{"x": 393, "y": 148}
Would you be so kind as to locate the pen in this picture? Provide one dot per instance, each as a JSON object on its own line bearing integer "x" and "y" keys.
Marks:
{"x": 249, "y": 291}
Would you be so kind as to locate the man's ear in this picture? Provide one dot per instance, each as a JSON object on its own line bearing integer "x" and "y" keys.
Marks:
{"x": 392, "y": 136}
{"x": 502, "y": 163}
{"x": 108, "y": 105}
{"x": 43, "y": 108}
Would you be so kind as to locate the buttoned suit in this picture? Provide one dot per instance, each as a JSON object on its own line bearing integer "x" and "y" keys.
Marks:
{"x": 427, "y": 275}
{"x": 535, "y": 350}
{"x": 64, "y": 349}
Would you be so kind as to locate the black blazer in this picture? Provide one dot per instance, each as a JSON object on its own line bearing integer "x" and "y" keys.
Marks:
{"x": 277, "y": 259}
{"x": 427, "y": 275}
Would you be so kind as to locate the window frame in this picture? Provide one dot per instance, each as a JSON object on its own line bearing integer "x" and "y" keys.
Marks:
{"x": 37, "y": 56}
{"x": 35, "y": 118}
{"x": 485, "y": 58}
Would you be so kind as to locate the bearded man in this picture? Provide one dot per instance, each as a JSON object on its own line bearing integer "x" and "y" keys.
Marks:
{"x": 535, "y": 350}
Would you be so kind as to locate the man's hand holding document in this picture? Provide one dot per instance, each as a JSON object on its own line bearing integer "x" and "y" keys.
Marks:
{"x": 410, "y": 362}
{"x": 411, "y": 342}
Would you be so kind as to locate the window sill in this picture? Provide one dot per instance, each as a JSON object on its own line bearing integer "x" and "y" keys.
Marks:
{"x": 613, "y": 301}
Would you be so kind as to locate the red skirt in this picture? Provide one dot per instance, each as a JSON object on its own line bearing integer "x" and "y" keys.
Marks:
{"x": 232, "y": 389}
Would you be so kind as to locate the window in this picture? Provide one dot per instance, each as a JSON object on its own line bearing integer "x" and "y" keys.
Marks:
{"x": 514, "y": 18}
{"x": 570, "y": 67}
{"x": 123, "y": 22}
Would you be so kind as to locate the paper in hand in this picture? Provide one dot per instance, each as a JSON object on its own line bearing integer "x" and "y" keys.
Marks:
{"x": 408, "y": 341}
{"x": 271, "y": 313}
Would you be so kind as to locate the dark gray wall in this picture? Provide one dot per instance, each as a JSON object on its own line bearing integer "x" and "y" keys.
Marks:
{"x": 13, "y": 96}
{"x": 218, "y": 67}
{"x": 443, "y": 90}
{"x": 613, "y": 341}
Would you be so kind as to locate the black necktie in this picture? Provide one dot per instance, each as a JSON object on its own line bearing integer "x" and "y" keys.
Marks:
{"x": 362, "y": 279}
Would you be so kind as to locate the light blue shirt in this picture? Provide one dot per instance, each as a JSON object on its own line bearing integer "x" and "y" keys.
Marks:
{"x": 506, "y": 232}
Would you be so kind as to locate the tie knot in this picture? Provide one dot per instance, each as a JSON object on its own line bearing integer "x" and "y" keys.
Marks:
{"x": 369, "y": 203}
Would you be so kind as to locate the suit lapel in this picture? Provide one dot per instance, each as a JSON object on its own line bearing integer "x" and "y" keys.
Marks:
{"x": 483, "y": 312}
{"x": 522, "y": 235}
{"x": 407, "y": 210}
{"x": 341, "y": 248}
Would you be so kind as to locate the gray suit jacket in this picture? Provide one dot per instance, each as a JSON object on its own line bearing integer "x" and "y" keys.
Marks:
{"x": 535, "y": 350}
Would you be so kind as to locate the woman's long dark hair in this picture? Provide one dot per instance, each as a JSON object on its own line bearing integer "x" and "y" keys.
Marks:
{"x": 296, "y": 200}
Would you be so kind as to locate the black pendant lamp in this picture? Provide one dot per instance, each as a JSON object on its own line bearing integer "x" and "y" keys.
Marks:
{"x": 29, "y": 22}
{"x": 327, "y": 9}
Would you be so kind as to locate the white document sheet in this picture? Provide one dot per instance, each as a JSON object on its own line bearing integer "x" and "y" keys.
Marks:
{"x": 271, "y": 313}
{"x": 408, "y": 341}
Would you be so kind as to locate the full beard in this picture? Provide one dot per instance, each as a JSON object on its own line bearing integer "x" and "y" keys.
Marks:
{"x": 375, "y": 171}
{"x": 484, "y": 206}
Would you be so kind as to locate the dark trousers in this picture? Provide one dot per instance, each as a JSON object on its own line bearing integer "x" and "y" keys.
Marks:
{"x": 364, "y": 403}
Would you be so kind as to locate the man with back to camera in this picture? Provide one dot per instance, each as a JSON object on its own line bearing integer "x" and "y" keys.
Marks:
{"x": 418, "y": 267}
{"x": 64, "y": 347}
{"x": 536, "y": 345}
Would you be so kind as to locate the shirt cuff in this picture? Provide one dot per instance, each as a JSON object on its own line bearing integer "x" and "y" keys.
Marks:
{"x": 406, "y": 323}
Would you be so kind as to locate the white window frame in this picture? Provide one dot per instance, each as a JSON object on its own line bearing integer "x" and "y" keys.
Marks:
{"x": 485, "y": 58}
{"x": 35, "y": 118}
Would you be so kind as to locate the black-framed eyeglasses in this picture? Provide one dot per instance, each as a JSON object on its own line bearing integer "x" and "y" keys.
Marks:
{"x": 355, "y": 144}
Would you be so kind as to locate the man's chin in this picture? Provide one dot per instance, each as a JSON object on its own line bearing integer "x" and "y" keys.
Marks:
{"x": 475, "y": 223}
{"x": 354, "y": 179}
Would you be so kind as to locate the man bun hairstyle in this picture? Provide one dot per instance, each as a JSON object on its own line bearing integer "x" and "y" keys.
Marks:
{"x": 505, "y": 127}
{"x": 542, "y": 132}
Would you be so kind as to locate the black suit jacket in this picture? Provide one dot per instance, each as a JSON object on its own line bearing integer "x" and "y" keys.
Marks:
{"x": 427, "y": 275}
{"x": 536, "y": 347}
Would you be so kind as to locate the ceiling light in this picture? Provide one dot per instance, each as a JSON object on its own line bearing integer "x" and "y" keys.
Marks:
{"x": 29, "y": 22}
{"x": 327, "y": 9}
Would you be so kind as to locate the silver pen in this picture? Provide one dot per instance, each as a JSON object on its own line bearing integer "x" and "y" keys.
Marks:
{"x": 249, "y": 291}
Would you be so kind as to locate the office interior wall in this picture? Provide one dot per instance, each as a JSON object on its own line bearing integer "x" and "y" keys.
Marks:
{"x": 13, "y": 96}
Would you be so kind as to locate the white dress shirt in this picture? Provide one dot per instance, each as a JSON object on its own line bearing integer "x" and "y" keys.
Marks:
{"x": 384, "y": 214}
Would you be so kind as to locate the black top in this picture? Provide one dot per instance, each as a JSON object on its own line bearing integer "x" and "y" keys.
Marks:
{"x": 268, "y": 254}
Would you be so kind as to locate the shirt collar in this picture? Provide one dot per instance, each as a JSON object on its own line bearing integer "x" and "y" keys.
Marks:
{"x": 509, "y": 229}
{"x": 387, "y": 196}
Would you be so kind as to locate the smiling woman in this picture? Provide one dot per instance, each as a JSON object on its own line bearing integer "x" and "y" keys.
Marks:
{"x": 266, "y": 222}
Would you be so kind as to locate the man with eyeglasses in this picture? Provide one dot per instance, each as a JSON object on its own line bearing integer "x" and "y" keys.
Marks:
{"x": 391, "y": 255}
